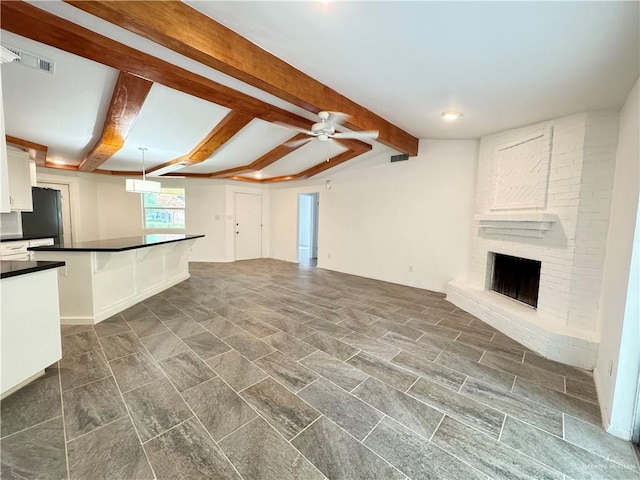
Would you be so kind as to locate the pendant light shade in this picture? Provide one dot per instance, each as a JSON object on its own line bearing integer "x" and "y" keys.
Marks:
{"x": 135, "y": 185}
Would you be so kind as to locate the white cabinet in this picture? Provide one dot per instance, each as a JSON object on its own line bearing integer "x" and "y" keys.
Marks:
{"x": 30, "y": 327}
{"x": 14, "y": 250}
{"x": 17, "y": 250}
{"x": 20, "y": 198}
{"x": 4, "y": 175}
{"x": 37, "y": 243}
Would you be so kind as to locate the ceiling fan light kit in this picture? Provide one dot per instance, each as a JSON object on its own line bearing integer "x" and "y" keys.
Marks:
{"x": 134, "y": 185}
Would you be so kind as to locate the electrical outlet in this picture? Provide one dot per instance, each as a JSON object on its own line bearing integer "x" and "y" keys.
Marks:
{"x": 328, "y": 255}
{"x": 410, "y": 268}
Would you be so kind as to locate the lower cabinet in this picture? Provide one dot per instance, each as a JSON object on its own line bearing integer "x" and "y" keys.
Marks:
{"x": 30, "y": 339}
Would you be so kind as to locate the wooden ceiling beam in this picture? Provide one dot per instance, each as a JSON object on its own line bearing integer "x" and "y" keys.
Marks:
{"x": 265, "y": 160}
{"x": 224, "y": 131}
{"x": 31, "y": 22}
{"x": 128, "y": 97}
{"x": 37, "y": 152}
{"x": 230, "y": 172}
{"x": 332, "y": 162}
{"x": 355, "y": 148}
{"x": 183, "y": 29}
{"x": 276, "y": 154}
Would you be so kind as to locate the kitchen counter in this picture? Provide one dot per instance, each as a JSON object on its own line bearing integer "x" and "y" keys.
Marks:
{"x": 18, "y": 237}
{"x": 15, "y": 269}
{"x": 104, "y": 277}
{"x": 117, "y": 244}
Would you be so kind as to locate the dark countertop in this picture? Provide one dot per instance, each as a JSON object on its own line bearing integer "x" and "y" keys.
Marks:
{"x": 17, "y": 268}
{"x": 117, "y": 244}
{"x": 15, "y": 238}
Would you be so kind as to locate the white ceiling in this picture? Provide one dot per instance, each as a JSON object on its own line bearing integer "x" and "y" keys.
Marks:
{"x": 250, "y": 143}
{"x": 170, "y": 124}
{"x": 56, "y": 110}
{"x": 502, "y": 64}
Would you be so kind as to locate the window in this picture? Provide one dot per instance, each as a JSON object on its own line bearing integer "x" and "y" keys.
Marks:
{"x": 165, "y": 209}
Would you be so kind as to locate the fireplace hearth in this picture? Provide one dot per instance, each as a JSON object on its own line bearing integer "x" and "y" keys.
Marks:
{"x": 517, "y": 278}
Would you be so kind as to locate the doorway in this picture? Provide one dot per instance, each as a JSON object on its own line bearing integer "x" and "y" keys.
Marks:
{"x": 63, "y": 188}
{"x": 248, "y": 226}
{"x": 308, "y": 206}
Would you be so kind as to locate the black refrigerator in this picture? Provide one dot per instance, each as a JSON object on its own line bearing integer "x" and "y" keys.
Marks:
{"x": 46, "y": 219}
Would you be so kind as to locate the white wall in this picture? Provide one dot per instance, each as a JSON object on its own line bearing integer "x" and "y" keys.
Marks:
{"x": 619, "y": 299}
{"x": 206, "y": 214}
{"x": 84, "y": 200}
{"x": 119, "y": 212}
{"x": 382, "y": 218}
{"x": 101, "y": 208}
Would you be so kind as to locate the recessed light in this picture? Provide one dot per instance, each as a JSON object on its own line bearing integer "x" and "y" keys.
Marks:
{"x": 59, "y": 162}
{"x": 451, "y": 116}
{"x": 257, "y": 175}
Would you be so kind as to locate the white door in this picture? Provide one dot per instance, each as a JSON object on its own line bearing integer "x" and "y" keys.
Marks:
{"x": 66, "y": 208}
{"x": 248, "y": 226}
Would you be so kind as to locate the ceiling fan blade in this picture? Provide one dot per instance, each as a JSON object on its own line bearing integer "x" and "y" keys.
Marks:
{"x": 293, "y": 127}
{"x": 337, "y": 117}
{"x": 298, "y": 143}
{"x": 370, "y": 134}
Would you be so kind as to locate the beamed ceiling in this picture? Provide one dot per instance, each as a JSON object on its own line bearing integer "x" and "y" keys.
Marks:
{"x": 207, "y": 100}
{"x": 106, "y": 99}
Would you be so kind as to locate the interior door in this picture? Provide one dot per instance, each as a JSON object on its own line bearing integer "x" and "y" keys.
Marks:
{"x": 66, "y": 208}
{"x": 248, "y": 226}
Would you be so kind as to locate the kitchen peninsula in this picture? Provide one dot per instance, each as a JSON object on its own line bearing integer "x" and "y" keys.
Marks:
{"x": 104, "y": 277}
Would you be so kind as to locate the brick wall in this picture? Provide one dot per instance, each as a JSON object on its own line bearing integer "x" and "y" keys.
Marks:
{"x": 580, "y": 180}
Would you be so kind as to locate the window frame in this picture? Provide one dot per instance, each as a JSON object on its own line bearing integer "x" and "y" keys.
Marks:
{"x": 166, "y": 227}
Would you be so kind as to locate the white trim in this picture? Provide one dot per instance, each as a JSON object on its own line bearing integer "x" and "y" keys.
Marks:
{"x": 121, "y": 306}
{"x": 74, "y": 198}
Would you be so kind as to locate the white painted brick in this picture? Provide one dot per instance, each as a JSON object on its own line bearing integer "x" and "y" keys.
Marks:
{"x": 572, "y": 252}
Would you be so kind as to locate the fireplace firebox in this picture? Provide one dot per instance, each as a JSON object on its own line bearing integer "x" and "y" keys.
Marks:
{"x": 517, "y": 278}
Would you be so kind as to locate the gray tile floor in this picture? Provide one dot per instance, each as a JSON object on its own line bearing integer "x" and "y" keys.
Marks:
{"x": 268, "y": 370}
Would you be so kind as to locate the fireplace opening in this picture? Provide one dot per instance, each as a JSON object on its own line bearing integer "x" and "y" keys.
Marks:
{"x": 515, "y": 277}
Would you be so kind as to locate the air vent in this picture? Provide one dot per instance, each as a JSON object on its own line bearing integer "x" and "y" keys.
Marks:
{"x": 399, "y": 158}
{"x": 32, "y": 60}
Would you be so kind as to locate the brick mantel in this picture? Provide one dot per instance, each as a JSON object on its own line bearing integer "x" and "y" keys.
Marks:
{"x": 516, "y": 224}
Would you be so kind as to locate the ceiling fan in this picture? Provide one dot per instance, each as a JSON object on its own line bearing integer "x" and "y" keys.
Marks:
{"x": 325, "y": 130}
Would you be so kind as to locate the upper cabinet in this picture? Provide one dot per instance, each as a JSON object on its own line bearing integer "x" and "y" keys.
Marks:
{"x": 20, "y": 181}
{"x": 5, "y": 207}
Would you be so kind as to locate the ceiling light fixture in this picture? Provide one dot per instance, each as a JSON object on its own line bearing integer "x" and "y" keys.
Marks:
{"x": 257, "y": 175}
{"x": 451, "y": 116}
{"x": 133, "y": 185}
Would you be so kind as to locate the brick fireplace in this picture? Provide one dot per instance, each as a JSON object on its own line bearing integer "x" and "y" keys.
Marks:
{"x": 543, "y": 194}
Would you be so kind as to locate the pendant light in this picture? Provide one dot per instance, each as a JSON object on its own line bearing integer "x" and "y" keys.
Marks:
{"x": 133, "y": 185}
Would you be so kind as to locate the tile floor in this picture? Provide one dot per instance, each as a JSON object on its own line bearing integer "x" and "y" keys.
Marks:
{"x": 267, "y": 370}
